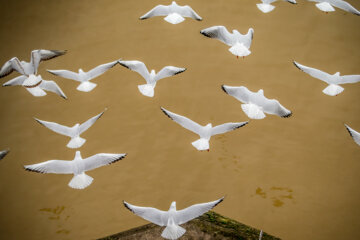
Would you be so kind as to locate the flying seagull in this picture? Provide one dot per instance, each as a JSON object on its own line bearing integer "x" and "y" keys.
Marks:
{"x": 150, "y": 78}
{"x": 78, "y": 167}
{"x": 27, "y": 68}
{"x": 255, "y": 103}
{"x": 3, "y": 153}
{"x": 333, "y": 80}
{"x": 354, "y": 134}
{"x": 328, "y": 6}
{"x": 239, "y": 44}
{"x": 84, "y": 77}
{"x": 72, "y": 132}
{"x": 174, "y": 13}
{"x": 266, "y": 6}
{"x": 36, "y": 85}
{"x": 205, "y": 132}
{"x": 172, "y": 218}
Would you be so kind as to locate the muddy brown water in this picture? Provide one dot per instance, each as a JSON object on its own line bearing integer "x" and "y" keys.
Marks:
{"x": 296, "y": 178}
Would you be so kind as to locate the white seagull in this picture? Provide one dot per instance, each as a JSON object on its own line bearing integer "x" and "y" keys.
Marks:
{"x": 240, "y": 44}
{"x": 72, "y": 132}
{"x": 327, "y": 6}
{"x": 27, "y": 68}
{"x": 150, "y": 78}
{"x": 354, "y": 134}
{"x": 3, "y": 153}
{"x": 333, "y": 80}
{"x": 84, "y": 77}
{"x": 266, "y": 6}
{"x": 36, "y": 85}
{"x": 172, "y": 218}
{"x": 255, "y": 103}
{"x": 174, "y": 13}
{"x": 78, "y": 167}
{"x": 205, "y": 132}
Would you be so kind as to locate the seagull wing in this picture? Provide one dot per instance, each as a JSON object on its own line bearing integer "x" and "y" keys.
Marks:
{"x": 159, "y": 10}
{"x": 354, "y": 134}
{"x": 240, "y": 93}
{"x": 273, "y": 106}
{"x": 344, "y": 6}
{"x": 220, "y": 33}
{"x": 97, "y": 71}
{"x": 183, "y": 121}
{"x": 168, "y": 71}
{"x": 63, "y": 130}
{"x": 10, "y": 66}
{"x": 194, "y": 211}
{"x": 16, "y": 81}
{"x": 349, "y": 79}
{"x": 65, "y": 74}
{"x": 138, "y": 67}
{"x": 101, "y": 159}
{"x": 86, "y": 125}
{"x": 323, "y": 76}
{"x": 226, "y": 127}
{"x": 151, "y": 214}
{"x": 52, "y": 166}
{"x": 51, "y": 86}
{"x": 3, "y": 153}
{"x": 42, "y": 55}
{"x": 187, "y": 11}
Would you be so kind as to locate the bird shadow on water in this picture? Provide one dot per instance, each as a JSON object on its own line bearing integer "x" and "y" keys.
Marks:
{"x": 229, "y": 158}
{"x": 278, "y": 195}
{"x": 59, "y": 215}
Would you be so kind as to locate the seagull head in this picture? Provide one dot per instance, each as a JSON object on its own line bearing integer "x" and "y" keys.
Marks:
{"x": 152, "y": 73}
{"x": 173, "y": 206}
{"x": 78, "y": 155}
{"x": 208, "y": 126}
{"x": 337, "y": 74}
{"x": 81, "y": 71}
{"x": 261, "y": 92}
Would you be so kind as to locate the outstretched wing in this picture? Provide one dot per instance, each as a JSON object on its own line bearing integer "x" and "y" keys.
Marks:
{"x": 10, "y": 66}
{"x": 194, "y": 211}
{"x": 86, "y": 125}
{"x": 159, "y": 10}
{"x": 349, "y": 79}
{"x": 42, "y": 55}
{"x": 97, "y": 71}
{"x": 220, "y": 33}
{"x": 52, "y": 87}
{"x": 52, "y": 166}
{"x": 227, "y": 127}
{"x": 187, "y": 11}
{"x": 63, "y": 130}
{"x": 138, "y": 67}
{"x": 65, "y": 74}
{"x": 151, "y": 214}
{"x": 183, "y": 121}
{"x": 101, "y": 159}
{"x": 323, "y": 76}
{"x": 354, "y": 134}
{"x": 16, "y": 81}
{"x": 273, "y": 106}
{"x": 168, "y": 71}
{"x": 240, "y": 93}
{"x": 344, "y": 6}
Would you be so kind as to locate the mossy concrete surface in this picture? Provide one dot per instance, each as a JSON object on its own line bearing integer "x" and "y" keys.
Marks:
{"x": 206, "y": 227}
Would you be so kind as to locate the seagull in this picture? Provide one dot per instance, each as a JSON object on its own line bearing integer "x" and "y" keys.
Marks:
{"x": 84, "y": 77}
{"x": 261, "y": 234}
{"x": 255, "y": 103}
{"x": 174, "y": 13}
{"x": 239, "y": 44}
{"x": 205, "y": 132}
{"x": 36, "y": 85}
{"x": 151, "y": 78}
{"x": 327, "y": 6}
{"x": 172, "y": 218}
{"x": 333, "y": 80}
{"x": 78, "y": 167}
{"x": 28, "y": 68}
{"x": 72, "y": 132}
{"x": 266, "y": 6}
{"x": 354, "y": 134}
{"x": 3, "y": 153}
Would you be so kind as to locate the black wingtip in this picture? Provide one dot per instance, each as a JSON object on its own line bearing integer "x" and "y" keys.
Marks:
{"x": 287, "y": 115}
{"x": 32, "y": 170}
{"x": 126, "y": 205}
{"x": 164, "y": 111}
{"x": 122, "y": 64}
{"x": 295, "y": 63}
{"x": 223, "y": 88}
{"x": 347, "y": 128}
{"x": 220, "y": 200}
{"x": 205, "y": 34}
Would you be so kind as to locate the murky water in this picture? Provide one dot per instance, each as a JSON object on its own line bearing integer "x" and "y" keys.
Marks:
{"x": 296, "y": 178}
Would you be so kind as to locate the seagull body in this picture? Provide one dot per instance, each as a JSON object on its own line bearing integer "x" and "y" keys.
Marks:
{"x": 174, "y": 13}
{"x": 72, "y": 132}
{"x": 354, "y": 134}
{"x": 266, "y": 6}
{"x": 333, "y": 80}
{"x": 36, "y": 85}
{"x": 28, "y": 68}
{"x": 172, "y": 218}
{"x": 78, "y": 167}
{"x": 205, "y": 132}
{"x": 328, "y": 6}
{"x": 151, "y": 78}
{"x": 239, "y": 44}
{"x": 3, "y": 153}
{"x": 255, "y": 103}
{"x": 84, "y": 77}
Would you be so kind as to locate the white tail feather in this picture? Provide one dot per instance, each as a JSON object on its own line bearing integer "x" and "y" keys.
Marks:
{"x": 239, "y": 50}
{"x": 173, "y": 232}
{"x": 253, "y": 111}
{"x": 36, "y": 91}
{"x": 201, "y": 144}
{"x": 265, "y": 8}
{"x": 86, "y": 86}
{"x": 333, "y": 90}
{"x": 80, "y": 181}
{"x": 76, "y": 142}
{"x": 146, "y": 90}
{"x": 174, "y": 18}
{"x": 324, "y": 6}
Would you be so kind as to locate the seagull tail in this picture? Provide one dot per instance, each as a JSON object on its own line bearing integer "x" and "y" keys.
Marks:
{"x": 174, "y": 18}
{"x": 239, "y": 50}
{"x": 86, "y": 86}
{"x": 36, "y": 91}
{"x": 146, "y": 90}
{"x": 325, "y": 7}
{"x": 333, "y": 90}
{"x": 80, "y": 181}
{"x": 173, "y": 232}
{"x": 201, "y": 144}
{"x": 253, "y": 111}
{"x": 76, "y": 142}
{"x": 265, "y": 8}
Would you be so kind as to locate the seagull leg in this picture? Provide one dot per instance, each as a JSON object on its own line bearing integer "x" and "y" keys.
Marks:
{"x": 237, "y": 57}
{"x": 208, "y": 150}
